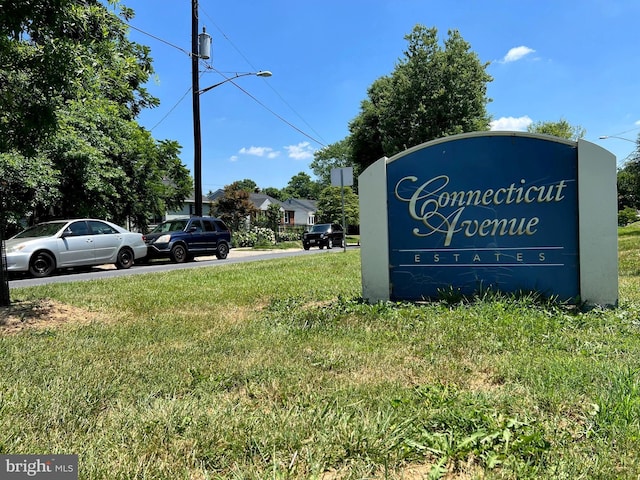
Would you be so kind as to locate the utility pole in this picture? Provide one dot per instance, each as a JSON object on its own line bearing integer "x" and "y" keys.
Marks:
{"x": 201, "y": 49}
{"x": 195, "y": 91}
{"x": 5, "y": 299}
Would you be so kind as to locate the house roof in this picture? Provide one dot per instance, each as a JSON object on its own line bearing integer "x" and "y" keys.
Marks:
{"x": 214, "y": 195}
{"x": 301, "y": 204}
{"x": 262, "y": 201}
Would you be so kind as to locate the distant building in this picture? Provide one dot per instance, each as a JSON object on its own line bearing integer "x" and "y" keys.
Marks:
{"x": 299, "y": 212}
{"x": 188, "y": 208}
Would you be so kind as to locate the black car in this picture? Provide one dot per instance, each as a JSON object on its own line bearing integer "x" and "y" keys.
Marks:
{"x": 323, "y": 235}
{"x": 182, "y": 239}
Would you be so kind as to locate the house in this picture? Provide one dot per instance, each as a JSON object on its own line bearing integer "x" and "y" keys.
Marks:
{"x": 299, "y": 212}
{"x": 188, "y": 208}
{"x": 296, "y": 212}
{"x": 262, "y": 201}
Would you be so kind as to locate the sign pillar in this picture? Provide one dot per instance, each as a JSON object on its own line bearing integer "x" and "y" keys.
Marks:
{"x": 374, "y": 232}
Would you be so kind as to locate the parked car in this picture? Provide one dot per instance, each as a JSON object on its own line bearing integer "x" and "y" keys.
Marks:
{"x": 323, "y": 235}
{"x": 182, "y": 239}
{"x": 46, "y": 247}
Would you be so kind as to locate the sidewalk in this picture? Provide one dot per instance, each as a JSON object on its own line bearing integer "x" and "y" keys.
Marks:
{"x": 250, "y": 252}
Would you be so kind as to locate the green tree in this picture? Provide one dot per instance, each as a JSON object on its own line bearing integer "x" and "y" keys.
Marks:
{"x": 273, "y": 217}
{"x": 336, "y": 155}
{"x": 273, "y": 193}
{"x": 110, "y": 167}
{"x": 234, "y": 206}
{"x": 248, "y": 185}
{"x": 628, "y": 187}
{"x": 629, "y": 181}
{"x": 301, "y": 186}
{"x": 330, "y": 206}
{"x": 41, "y": 51}
{"x": 25, "y": 183}
{"x": 433, "y": 92}
{"x": 40, "y": 47}
{"x": 561, "y": 128}
{"x": 52, "y": 51}
{"x": 72, "y": 86}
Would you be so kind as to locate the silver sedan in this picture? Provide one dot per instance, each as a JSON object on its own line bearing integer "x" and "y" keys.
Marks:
{"x": 46, "y": 247}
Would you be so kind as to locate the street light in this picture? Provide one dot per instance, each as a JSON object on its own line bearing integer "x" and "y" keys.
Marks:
{"x": 197, "y": 134}
{"x": 637, "y": 143}
{"x": 604, "y": 137}
{"x": 261, "y": 73}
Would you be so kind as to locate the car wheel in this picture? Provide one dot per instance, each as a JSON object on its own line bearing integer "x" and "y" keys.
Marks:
{"x": 321, "y": 246}
{"x": 125, "y": 259}
{"x": 42, "y": 264}
{"x": 306, "y": 247}
{"x": 178, "y": 254}
{"x": 223, "y": 251}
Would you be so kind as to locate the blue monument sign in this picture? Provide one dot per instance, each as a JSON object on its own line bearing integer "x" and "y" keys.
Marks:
{"x": 488, "y": 211}
{"x": 484, "y": 212}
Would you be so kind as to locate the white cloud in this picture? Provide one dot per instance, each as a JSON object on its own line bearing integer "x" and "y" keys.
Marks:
{"x": 301, "y": 151}
{"x": 511, "y": 123}
{"x": 637, "y": 122}
{"x": 233, "y": 158}
{"x": 259, "y": 152}
{"x": 517, "y": 53}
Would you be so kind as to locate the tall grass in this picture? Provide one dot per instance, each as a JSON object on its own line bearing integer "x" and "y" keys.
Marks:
{"x": 277, "y": 369}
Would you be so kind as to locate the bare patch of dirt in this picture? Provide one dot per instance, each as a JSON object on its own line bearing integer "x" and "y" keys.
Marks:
{"x": 39, "y": 314}
{"x": 482, "y": 381}
{"x": 409, "y": 472}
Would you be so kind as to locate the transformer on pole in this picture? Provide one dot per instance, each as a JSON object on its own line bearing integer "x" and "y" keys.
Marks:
{"x": 204, "y": 45}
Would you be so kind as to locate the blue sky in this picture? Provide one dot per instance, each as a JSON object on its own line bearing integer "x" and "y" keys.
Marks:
{"x": 550, "y": 59}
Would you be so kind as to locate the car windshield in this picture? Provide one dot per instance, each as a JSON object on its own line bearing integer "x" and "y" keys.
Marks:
{"x": 320, "y": 228}
{"x": 170, "y": 226}
{"x": 41, "y": 230}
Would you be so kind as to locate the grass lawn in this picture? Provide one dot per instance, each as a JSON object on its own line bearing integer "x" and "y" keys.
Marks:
{"x": 276, "y": 370}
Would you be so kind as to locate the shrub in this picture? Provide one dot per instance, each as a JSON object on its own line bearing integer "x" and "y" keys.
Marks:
{"x": 289, "y": 236}
{"x": 627, "y": 216}
{"x": 255, "y": 236}
{"x": 264, "y": 236}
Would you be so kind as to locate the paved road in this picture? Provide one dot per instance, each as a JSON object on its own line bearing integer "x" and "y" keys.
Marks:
{"x": 236, "y": 255}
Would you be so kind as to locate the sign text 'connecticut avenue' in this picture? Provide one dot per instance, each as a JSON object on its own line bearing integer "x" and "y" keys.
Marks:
{"x": 441, "y": 211}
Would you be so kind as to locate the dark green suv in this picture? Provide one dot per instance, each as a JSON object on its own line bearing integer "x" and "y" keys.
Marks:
{"x": 182, "y": 239}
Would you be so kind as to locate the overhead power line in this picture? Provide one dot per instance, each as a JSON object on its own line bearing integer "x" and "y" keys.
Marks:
{"x": 224, "y": 35}
{"x": 276, "y": 115}
{"x": 186, "y": 52}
